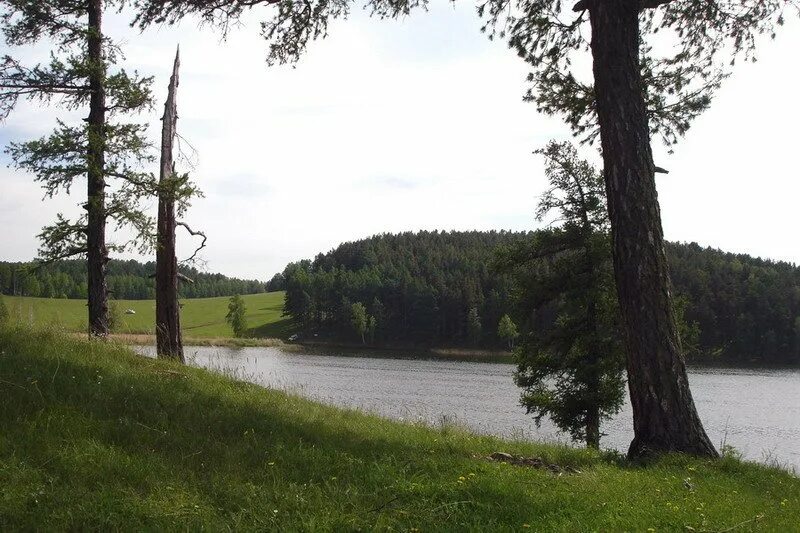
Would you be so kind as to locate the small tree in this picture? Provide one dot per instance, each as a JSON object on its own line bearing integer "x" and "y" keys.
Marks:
{"x": 507, "y": 330}
{"x": 358, "y": 319}
{"x": 114, "y": 316}
{"x": 570, "y": 362}
{"x": 236, "y": 315}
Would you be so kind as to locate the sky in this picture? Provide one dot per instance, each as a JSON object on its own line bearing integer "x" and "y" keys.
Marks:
{"x": 389, "y": 126}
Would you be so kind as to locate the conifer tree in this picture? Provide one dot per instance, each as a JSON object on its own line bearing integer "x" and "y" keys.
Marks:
{"x": 570, "y": 360}
{"x": 108, "y": 151}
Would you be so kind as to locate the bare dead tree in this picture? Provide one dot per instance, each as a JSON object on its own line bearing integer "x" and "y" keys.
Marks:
{"x": 168, "y": 321}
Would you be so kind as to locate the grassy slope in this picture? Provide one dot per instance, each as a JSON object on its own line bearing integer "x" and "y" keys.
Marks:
{"x": 200, "y": 317}
{"x": 94, "y": 437}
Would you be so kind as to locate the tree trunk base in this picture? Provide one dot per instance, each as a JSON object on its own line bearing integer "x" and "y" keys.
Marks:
{"x": 641, "y": 449}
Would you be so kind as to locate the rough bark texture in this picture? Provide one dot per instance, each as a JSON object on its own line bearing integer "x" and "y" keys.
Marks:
{"x": 168, "y": 320}
{"x": 664, "y": 415}
{"x": 97, "y": 254}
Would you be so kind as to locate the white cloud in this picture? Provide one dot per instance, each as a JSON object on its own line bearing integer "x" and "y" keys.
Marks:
{"x": 412, "y": 124}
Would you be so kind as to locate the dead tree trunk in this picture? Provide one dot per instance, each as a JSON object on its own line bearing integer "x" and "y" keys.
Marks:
{"x": 96, "y": 251}
{"x": 664, "y": 414}
{"x": 168, "y": 322}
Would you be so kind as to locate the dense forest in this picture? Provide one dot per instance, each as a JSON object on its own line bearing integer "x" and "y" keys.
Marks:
{"x": 440, "y": 288}
{"x": 127, "y": 280}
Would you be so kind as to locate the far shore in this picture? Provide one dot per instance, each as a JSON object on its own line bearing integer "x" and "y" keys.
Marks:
{"x": 477, "y": 354}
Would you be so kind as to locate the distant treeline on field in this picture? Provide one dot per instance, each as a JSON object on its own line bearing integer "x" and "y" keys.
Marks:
{"x": 127, "y": 280}
{"x": 439, "y": 288}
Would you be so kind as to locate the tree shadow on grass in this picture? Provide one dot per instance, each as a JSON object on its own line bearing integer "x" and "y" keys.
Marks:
{"x": 281, "y": 329}
{"x": 127, "y": 427}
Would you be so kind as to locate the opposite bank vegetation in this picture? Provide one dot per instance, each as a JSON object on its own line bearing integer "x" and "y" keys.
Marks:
{"x": 95, "y": 437}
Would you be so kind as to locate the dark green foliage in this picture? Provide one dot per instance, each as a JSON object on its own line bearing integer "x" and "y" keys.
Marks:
{"x": 474, "y": 327}
{"x": 236, "y": 316}
{"x": 277, "y": 283}
{"x": 420, "y": 288}
{"x": 746, "y": 309}
{"x": 127, "y": 280}
{"x": 570, "y": 359}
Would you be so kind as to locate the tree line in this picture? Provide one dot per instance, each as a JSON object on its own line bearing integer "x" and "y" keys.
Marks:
{"x": 127, "y": 280}
{"x": 435, "y": 287}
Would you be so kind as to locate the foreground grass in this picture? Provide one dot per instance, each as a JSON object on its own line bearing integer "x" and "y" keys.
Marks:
{"x": 95, "y": 437}
{"x": 200, "y": 317}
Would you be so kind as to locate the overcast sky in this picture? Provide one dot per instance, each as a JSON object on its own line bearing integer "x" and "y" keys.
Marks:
{"x": 391, "y": 126}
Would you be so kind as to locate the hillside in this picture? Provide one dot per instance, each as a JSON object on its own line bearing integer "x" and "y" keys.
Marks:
{"x": 200, "y": 317}
{"x": 127, "y": 280}
{"x": 438, "y": 288}
{"x": 97, "y": 438}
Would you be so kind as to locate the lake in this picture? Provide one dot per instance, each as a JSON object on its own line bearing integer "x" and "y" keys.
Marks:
{"x": 755, "y": 410}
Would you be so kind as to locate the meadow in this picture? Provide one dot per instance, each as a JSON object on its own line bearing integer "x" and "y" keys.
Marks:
{"x": 97, "y": 438}
{"x": 200, "y": 317}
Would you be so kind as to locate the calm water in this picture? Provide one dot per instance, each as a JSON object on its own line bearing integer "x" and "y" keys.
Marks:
{"x": 757, "y": 411}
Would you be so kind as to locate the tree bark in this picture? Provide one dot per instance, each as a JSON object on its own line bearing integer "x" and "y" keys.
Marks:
{"x": 97, "y": 253}
{"x": 168, "y": 322}
{"x": 664, "y": 414}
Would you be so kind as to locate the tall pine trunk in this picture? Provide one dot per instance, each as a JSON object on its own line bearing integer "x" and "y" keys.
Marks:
{"x": 168, "y": 320}
{"x": 97, "y": 254}
{"x": 664, "y": 414}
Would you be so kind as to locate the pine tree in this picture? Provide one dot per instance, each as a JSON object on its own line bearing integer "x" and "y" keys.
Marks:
{"x": 570, "y": 359}
{"x": 81, "y": 74}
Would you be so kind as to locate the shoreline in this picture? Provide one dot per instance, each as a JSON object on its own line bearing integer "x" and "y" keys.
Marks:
{"x": 451, "y": 353}
{"x": 469, "y": 354}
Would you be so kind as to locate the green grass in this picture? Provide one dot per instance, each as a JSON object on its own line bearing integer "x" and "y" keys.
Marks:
{"x": 200, "y": 317}
{"x": 93, "y": 437}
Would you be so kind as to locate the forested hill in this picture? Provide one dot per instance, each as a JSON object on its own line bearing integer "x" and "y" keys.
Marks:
{"x": 439, "y": 288}
{"x": 127, "y": 280}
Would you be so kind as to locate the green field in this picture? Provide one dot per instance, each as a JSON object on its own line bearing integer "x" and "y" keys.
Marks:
{"x": 200, "y": 317}
{"x": 96, "y": 438}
